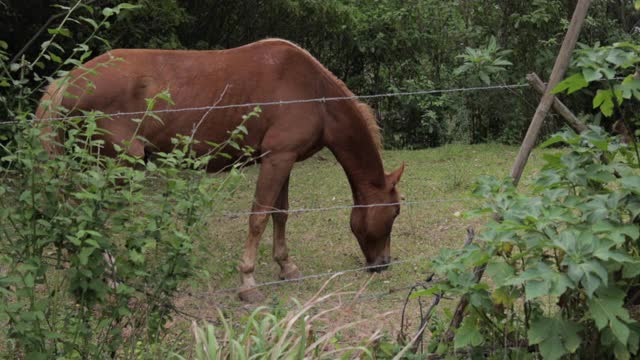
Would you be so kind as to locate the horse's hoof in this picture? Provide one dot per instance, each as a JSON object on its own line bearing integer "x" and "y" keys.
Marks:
{"x": 251, "y": 295}
{"x": 292, "y": 274}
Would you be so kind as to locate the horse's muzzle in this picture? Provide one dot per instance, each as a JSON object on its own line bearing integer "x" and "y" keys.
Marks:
{"x": 379, "y": 265}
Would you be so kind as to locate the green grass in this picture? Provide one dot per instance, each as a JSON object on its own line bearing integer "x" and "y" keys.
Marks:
{"x": 322, "y": 242}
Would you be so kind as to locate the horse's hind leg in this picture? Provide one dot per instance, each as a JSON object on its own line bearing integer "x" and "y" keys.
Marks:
{"x": 274, "y": 172}
{"x": 288, "y": 270}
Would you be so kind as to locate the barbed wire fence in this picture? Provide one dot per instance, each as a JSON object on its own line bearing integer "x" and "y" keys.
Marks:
{"x": 359, "y": 298}
{"x": 281, "y": 102}
{"x": 306, "y": 210}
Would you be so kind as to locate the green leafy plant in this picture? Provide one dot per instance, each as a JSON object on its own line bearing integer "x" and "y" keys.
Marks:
{"x": 606, "y": 63}
{"x": 90, "y": 253}
{"x": 484, "y": 62}
{"x": 562, "y": 264}
{"x": 93, "y": 249}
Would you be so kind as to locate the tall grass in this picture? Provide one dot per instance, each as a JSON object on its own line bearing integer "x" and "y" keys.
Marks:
{"x": 302, "y": 332}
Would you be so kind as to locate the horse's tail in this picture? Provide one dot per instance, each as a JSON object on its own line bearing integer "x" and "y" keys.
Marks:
{"x": 51, "y": 136}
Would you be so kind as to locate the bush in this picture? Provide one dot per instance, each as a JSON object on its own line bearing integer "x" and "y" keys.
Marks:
{"x": 93, "y": 248}
{"x": 89, "y": 251}
{"x": 562, "y": 264}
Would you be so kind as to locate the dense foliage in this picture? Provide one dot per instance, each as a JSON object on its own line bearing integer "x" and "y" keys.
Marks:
{"x": 562, "y": 263}
{"x": 88, "y": 267}
{"x": 376, "y": 47}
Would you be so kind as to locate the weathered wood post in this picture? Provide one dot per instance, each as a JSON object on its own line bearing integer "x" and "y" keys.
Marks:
{"x": 559, "y": 68}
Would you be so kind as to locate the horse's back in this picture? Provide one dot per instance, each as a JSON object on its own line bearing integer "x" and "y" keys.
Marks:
{"x": 121, "y": 80}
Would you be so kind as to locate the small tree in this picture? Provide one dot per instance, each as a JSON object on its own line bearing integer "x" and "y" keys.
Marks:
{"x": 92, "y": 248}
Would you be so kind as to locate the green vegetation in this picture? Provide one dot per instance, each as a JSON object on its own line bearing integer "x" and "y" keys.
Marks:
{"x": 561, "y": 255}
{"x": 87, "y": 268}
{"x": 562, "y": 263}
{"x": 374, "y": 46}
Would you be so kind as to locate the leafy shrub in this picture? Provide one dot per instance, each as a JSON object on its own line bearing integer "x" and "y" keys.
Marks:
{"x": 611, "y": 72}
{"x": 93, "y": 248}
{"x": 562, "y": 264}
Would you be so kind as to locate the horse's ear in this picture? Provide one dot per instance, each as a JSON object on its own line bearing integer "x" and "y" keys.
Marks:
{"x": 394, "y": 177}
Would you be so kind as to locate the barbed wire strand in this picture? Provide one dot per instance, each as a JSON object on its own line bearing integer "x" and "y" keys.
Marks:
{"x": 322, "y": 275}
{"x": 430, "y": 278}
{"x": 289, "y": 102}
{"x": 341, "y": 207}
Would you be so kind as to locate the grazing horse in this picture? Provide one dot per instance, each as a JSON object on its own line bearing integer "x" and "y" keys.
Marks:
{"x": 263, "y": 71}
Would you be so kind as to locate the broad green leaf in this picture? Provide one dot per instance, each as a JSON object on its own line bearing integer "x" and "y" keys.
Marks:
{"x": 84, "y": 255}
{"x": 631, "y": 183}
{"x": 555, "y": 337}
{"x": 591, "y": 75}
{"x": 571, "y": 84}
{"x": 468, "y": 334}
{"x": 620, "y": 57}
{"x": 536, "y": 288}
{"x": 502, "y": 62}
{"x": 604, "y": 101}
{"x": 591, "y": 274}
{"x": 484, "y": 77}
{"x": 617, "y": 255}
{"x": 558, "y": 138}
{"x": 630, "y": 87}
{"x": 504, "y": 296}
{"x": 499, "y": 272}
{"x": 631, "y": 270}
{"x": 621, "y": 352}
{"x": 607, "y": 309}
{"x": 29, "y": 280}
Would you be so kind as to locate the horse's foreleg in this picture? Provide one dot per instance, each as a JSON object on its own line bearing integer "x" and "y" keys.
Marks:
{"x": 274, "y": 172}
{"x": 288, "y": 270}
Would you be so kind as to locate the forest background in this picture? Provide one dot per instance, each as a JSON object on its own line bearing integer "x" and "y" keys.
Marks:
{"x": 375, "y": 46}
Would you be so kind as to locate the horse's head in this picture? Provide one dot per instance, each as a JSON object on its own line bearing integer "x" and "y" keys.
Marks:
{"x": 372, "y": 225}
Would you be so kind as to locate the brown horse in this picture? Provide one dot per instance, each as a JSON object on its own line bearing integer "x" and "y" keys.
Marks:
{"x": 283, "y": 134}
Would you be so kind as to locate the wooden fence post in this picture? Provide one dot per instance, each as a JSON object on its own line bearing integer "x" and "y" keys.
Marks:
{"x": 559, "y": 68}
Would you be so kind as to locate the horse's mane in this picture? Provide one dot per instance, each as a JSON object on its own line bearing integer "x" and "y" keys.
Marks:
{"x": 365, "y": 110}
{"x": 372, "y": 124}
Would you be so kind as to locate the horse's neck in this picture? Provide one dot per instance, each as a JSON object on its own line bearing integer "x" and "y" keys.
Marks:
{"x": 353, "y": 146}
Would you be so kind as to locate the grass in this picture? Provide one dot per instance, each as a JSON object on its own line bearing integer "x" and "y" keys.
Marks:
{"x": 437, "y": 182}
{"x": 322, "y": 242}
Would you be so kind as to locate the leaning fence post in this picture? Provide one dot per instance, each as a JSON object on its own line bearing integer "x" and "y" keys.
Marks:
{"x": 558, "y": 106}
{"x": 559, "y": 68}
